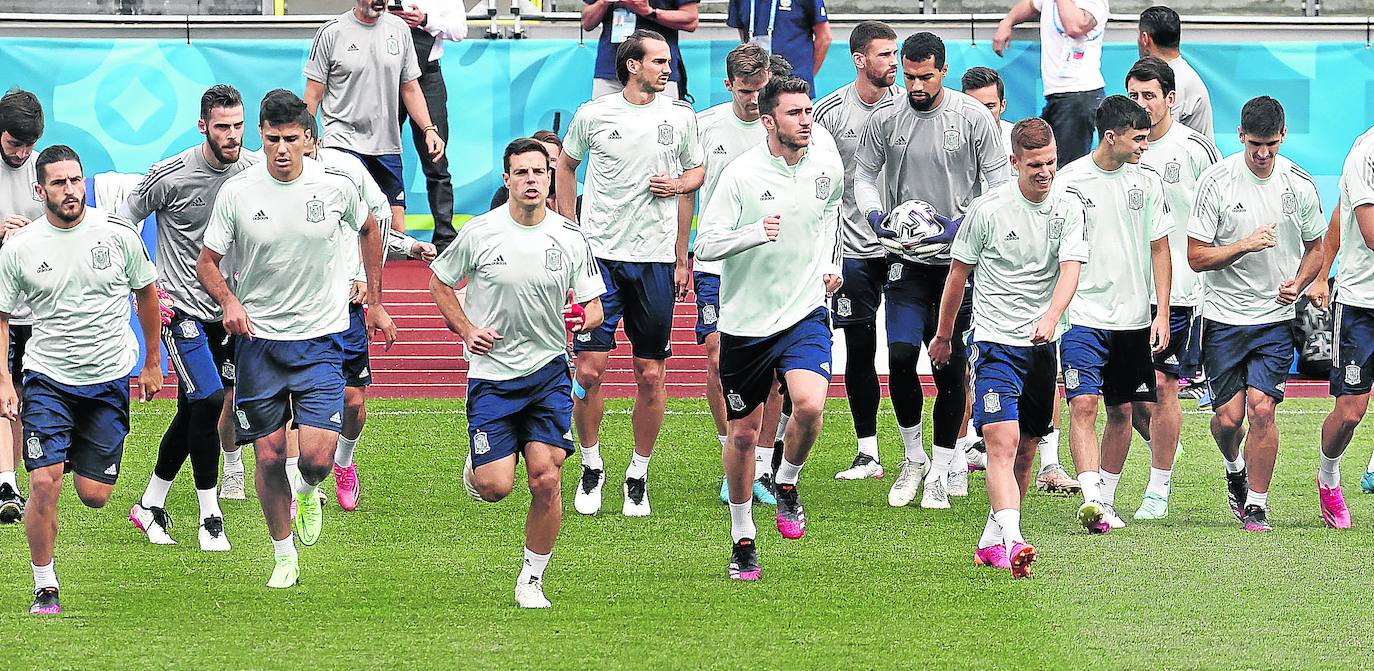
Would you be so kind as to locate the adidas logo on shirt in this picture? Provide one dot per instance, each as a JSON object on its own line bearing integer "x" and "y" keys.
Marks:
{"x": 615, "y": 135}
{"x": 260, "y": 216}
{"x": 849, "y": 134}
{"x": 719, "y": 150}
{"x": 900, "y": 141}
{"x": 44, "y": 267}
{"x": 767, "y": 195}
{"x": 352, "y": 47}
{"x": 197, "y": 202}
{"x": 1240, "y": 207}
{"x": 500, "y": 261}
{"x": 1012, "y": 236}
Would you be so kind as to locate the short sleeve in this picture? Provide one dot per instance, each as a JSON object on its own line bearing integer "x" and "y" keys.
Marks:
{"x": 222, "y": 228}
{"x": 689, "y": 151}
{"x": 994, "y": 161}
{"x": 587, "y": 282}
{"x": 1206, "y": 215}
{"x": 578, "y": 138}
{"x": 818, "y": 13}
{"x": 10, "y": 292}
{"x": 1157, "y": 209}
{"x": 1073, "y": 240}
{"x": 1040, "y": 5}
{"x": 317, "y": 64}
{"x": 1359, "y": 183}
{"x": 972, "y": 236}
{"x": 146, "y": 198}
{"x": 374, "y": 199}
{"x": 410, "y": 67}
{"x": 355, "y": 210}
{"x": 1098, "y": 9}
{"x": 1311, "y": 224}
{"x": 138, "y": 267}
{"x": 456, "y": 261}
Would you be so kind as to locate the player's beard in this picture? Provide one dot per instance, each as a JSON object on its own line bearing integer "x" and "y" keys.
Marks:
{"x": 57, "y": 211}
{"x": 924, "y": 105}
{"x": 10, "y": 160}
{"x": 221, "y": 157}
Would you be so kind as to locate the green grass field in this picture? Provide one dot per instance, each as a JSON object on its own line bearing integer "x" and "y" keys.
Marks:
{"x": 421, "y": 577}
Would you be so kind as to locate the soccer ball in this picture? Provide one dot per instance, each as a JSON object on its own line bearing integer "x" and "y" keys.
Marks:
{"x": 918, "y": 233}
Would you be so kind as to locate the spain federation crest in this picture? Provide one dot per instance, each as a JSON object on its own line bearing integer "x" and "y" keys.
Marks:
{"x": 1071, "y": 378}
{"x": 822, "y": 187}
{"x": 736, "y": 403}
{"x": 33, "y": 449}
{"x": 100, "y": 257}
{"x": 1056, "y": 228}
{"x": 708, "y": 314}
{"x": 992, "y": 402}
{"x": 953, "y": 139}
{"x": 1172, "y": 170}
{"x": 1352, "y": 374}
{"x": 1135, "y": 199}
{"x": 393, "y": 46}
{"x": 665, "y": 134}
{"x": 314, "y": 211}
{"x": 480, "y": 445}
{"x": 843, "y": 307}
{"x": 1290, "y": 203}
{"x": 553, "y": 260}
{"x": 894, "y": 272}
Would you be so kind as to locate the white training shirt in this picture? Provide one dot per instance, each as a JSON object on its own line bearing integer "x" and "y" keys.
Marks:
{"x": 372, "y": 196}
{"x": 1231, "y": 204}
{"x": 19, "y": 195}
{"x": 518, "y": 282}
{"x": 77, "y": 282}
{"x": 1015, "y": 247}
{"x": 1355, "y": 265}
{"x": 1124, "y": 212}
{"x": 1192, "y": 102}
{"x": 1179, "y": 157}
{"x": 1068, "y": 64}
{"x": 623, "y": 145}
{"x": 723, "y": 136}
{"x": 767, "y": 287}
{"x": 285, "y": 238}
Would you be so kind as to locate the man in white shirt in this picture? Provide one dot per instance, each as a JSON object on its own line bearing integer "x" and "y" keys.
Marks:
{"x": 1159, "y": 37}
{"x": 1071, "y": 33}
{"x": 433, "y": 22}
{"x": 642, "y": 153}
{"x": 1256, "y": 231}
{"x": 75, "y": 268}
{"x": 774, "y": 221}
{"x": 530, "y": 275}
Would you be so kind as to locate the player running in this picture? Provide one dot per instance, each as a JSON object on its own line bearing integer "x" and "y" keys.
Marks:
{"x": 941, "y": 147}
{"x": 1256, "y": 231}
{"x": 873, "y": 46}
{"x": 773, "y": 220}
{"x": 642, "y": 153}
{"x": 1025, "y": 242}
{"x": 75, "y": 269}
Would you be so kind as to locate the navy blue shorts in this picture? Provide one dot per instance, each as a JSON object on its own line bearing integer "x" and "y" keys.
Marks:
{"x": 82, "y": 426}
{"x": 913, "y": 293}
{"x": 504, "y": 416}
{"x": 861, "y": 293}
{"x": 1012, "y": 383}
{"x": 1116, "y": 365}
{"x": 280, "y": 379}
{"x": 1352, "y": 362}
{"x": 357, "y": 368}
{"x": 1183, "y": 334}
{"x": 201, "y": 354}
{"x": 707, "y": 288}
{"x": 19, "y": 340}
{"x": 748, "y": 366}
{"x": 385, "y": 169}
{"x": 643, "y": 294}
{"x": 1257, "y": 356}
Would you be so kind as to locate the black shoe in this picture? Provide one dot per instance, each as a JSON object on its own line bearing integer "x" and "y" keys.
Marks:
{"x": 767, "y": 481}
{"x": 744, "y": 561}
{"x": 1256, "y": 519}
{"x": 791, "y": 517}
{"x": 214, "y": 525}
{"x": 979, "y": 446}
{"x": 591, "y": 477}
{"x": 45, "y": 602}
{"x": 11, "y": 505}
{"x": 1237, "y": 488}
{"x": 634, "y": 488}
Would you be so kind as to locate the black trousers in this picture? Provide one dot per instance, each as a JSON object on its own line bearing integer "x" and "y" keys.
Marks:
{"x": 438, "y": 183}
{"x": 1073, "y": 117}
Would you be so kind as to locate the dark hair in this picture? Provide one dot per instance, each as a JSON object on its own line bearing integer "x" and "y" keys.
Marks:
{"x": 1152, "y": 69}
{"x": 310, "y": 125}
{"x": 1119, "y": 112}
{"x": 220, "y": 95}
{"x": 280, "y": 107}
{"x": 522, "y": 145}
{"x": 1162, "y": 25}
{"x": 1262, "y": 117}
{"x": 1031, "y": 133}
{"x": 779, "y": 66}
{"x": 921, "y": 46}
{"x": 776, "y": 87}
{"x": 867, "y": 31}
{"x": 632, "y": 49}
{"x": 54, "y": 154}
{"x": 982, "y": 77}
{"x": 549, "y": 137}
{"x": 21, "y": 115}
{"x": 745, "y": 60}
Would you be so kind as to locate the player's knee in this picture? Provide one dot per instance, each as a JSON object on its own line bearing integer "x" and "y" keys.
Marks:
{"x": 1260, "y": 408}
{"x": 713, "y": 351}
{"x": 315, "y": 468}
{"x": 744, "y": 439}
{"x": 493, "y": 490}
{"x": 45, "y": 480}
{"x": 1119, "y": 414}
{"x": 1227, "y": 421}
{"x": 902, "y": 356}
{"x": 545, "y": 484}
{"x": 93, "y": 499}
{"x": 649, "y": 377}
{"x": 807, "y": 411}
{"x": 950, "y": 379}
{"x": 588, "y": 376}
{"x": 1084, "y": 407}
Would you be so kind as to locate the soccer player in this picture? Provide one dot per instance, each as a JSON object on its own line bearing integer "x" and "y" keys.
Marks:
{"x": 1256, "y": 231}
{"x": 284, "y": 222}
{"x": 983, "y": 84}
{"x": 362, "y": 68}
{"x": 74, "y": 268}
{"x": 773, "y": 219}
{"x": 529, "y": 272}
{"x": 21, "y": 124}
{"x": 1178, "y": 154}
{"x": 942, "y": 147}
{"x": 1159, "y": 33}
{"x": 181, "y": 192}
{"x": 1025, "y": 242}
{"x": 873, "y": 46}
{"x": 1106, "y": 354}
{"x": 642, "y": 153}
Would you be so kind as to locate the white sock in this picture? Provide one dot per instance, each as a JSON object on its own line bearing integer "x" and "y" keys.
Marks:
{"x": 285, "y": 547}
{"x": 534, "y": 565}
{"x": 1370, "y": 467}
{"x": 7, "y": 478}
{"x": 1255, "y": 498}
{"x": 591, "y": 457}
{"x": 155, "y": 496}
{"x": 722, "y": 440}
{"x": 639, "y": 467}
{"x": 1159, "y": 481}
{"x": 788, "y": 472}
{"x": 742, "y": 521}
{"x": 1234, "y": 466}
{"x": 1010, "y": 521}
{"x": 1109, "y": 483}
{"x": 303, "y": 489}
{"x": 763, "y": 461}
{"x": 44, "y": 576}
{"x": 944, "y": 458}
{"x": 992, "y": 532}
{"x": 970, "y": 432}
{"x": 293, "y": 469}
{"x": 343, "y": 452}
{"x": 209, "y": 503}
{"x": 960, "y": 463}
{"x": 1329, "y": 471}
{"x": 233, "y": 461}
{"x": 869, "y": 446}
{"x": 783, "y": 419}
{"x": 1049, "y": 450}
{"x": 1091, "y": 483}
{"x": 912, "y": 444}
